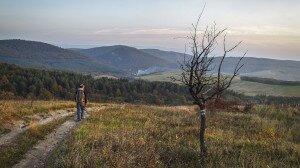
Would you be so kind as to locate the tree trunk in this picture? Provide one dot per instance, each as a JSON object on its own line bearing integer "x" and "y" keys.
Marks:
{"x": 202, "y": 130}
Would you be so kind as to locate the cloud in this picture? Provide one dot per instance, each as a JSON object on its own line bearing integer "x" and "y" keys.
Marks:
{"x": 157, "y": 31}
{"x": 108, "y": 31}
{"x": 175, "y": 32}
{"x": 264, "y": 30}
{"x": 140, "y": 31}
{"x": 264, "y": 41}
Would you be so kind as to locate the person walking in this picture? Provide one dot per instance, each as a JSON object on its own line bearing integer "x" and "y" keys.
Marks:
{"x": 81, "y": 101}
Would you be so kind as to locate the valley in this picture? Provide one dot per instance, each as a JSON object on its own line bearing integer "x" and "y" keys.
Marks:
{"x": 241, "y": 86}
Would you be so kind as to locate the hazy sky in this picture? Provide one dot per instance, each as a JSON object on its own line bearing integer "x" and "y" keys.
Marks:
{"x": 268, "y": 28}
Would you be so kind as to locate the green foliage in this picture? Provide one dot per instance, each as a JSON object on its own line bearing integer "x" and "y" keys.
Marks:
{"x": 40, "y": 84}
{"x": 270, "y": 81}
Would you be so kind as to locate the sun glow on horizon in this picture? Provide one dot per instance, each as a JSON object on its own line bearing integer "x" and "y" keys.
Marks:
{"x": 268, "y": 29}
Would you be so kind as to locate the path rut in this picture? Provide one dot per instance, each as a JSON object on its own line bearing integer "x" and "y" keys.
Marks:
{"x": 37, "y": 156}
{"x": 6, "y": 138}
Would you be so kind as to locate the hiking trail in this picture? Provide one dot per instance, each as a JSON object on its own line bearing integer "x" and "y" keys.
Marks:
{"x": 40, "y": 119}
{"x": 38, "y": 155}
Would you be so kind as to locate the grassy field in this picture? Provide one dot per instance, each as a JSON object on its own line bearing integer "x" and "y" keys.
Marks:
{"x": 19, "y": 110}
{"x": 159, "y": 136}
{"x": 246, "y": 87}
{"x": 160, "y": 76}
{"x": 13, "y": 152}
{"x": 255, "y": 88}
{"x": 12, "y": 110}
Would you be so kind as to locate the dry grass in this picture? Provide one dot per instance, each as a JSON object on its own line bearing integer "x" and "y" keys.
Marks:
{"x": 150, "y": 136}
{"x": 12, "y": 110}
{"x": 13, "y": 152}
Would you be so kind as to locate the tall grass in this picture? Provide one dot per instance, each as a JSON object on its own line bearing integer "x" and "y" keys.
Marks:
{"x": 150, "y": 136}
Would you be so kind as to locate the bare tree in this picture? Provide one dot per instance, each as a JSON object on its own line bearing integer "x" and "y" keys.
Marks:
{"x": 198, "y": 72}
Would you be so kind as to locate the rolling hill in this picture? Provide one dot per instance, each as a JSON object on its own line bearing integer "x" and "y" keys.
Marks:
{"x": 35, "y": 50}
{"x": 258, "y": 67}
{"x": 124, "y": 57}
{"x": 120, "y": 60}
{"x": 267, "y": 68}
{"x": 43, "y": 55}
{"x": 173, "y": 57}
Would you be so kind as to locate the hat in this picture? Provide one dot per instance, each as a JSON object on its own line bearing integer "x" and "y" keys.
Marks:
{"x": 81, "y": 85}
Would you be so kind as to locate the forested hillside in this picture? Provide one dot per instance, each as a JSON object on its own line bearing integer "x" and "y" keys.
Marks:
{"x": 125, "y": 61}
{"x": 128, "y": 59}
{"x": 16, "y": 82}
{"x": 47, "y": 56}
{"x": 37, "y": 50}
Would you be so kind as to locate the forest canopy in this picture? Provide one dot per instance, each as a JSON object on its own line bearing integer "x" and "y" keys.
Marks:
{"x": 17, "y": 82}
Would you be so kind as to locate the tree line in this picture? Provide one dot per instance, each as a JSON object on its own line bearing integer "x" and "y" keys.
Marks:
{"x": 17, "y": 82}
{"x": 270, "y": 81}
{"x": 232, "y": 97}
{"x": 26, "y": 83}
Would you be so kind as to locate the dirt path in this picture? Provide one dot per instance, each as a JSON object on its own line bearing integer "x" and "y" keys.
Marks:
{"x": 55, "y": 115}
{"x": 37, "y": 156}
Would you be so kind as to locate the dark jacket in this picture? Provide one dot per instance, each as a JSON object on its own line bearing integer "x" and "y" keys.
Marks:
{"x": 80, "y": 96}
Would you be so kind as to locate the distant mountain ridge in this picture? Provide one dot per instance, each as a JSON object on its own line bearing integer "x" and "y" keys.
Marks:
{"x": 124, "y": 57}
{"x": 120, "y": 60}
{"x": 173, "y": 57}
{"x": 43, "y": 55}
{"x": 35, "y": 50}
{"x": 258, "y": 67}
{"x": 266, "y": 68}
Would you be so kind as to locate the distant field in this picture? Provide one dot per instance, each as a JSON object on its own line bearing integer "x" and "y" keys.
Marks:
{"x": 255, "y": 88}
{"x": 160, "y": 76}
{"x": 246, "y": 87}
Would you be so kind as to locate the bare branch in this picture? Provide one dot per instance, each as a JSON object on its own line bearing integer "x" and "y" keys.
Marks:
{"x": 197, "y": 70}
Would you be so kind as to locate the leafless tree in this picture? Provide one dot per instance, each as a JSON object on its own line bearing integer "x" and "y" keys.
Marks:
{"x": 205, "y": 80}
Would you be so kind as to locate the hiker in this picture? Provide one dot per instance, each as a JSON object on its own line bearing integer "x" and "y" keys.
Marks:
{"x": 81, "y": 100}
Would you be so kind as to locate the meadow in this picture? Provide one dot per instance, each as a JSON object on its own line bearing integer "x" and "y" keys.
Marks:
{"x": 13, "y": 152}
{"x": 240, "y": 86}
{"x": 125, "y": 135}
{"x": 14, "y": 110}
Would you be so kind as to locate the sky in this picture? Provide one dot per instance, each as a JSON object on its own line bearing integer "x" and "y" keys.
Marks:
{"x": 268, "y": 28}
